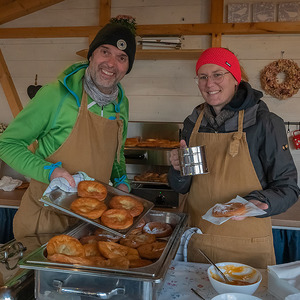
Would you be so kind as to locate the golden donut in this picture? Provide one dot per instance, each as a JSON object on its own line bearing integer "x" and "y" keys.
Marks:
{"x": 112, "y": 250}
{"x": 228, "y": 210}
{"x": 117, "y": 218}
{"x": 152, "y": 251}
{"x": 105, "y": 236}
{"x": 92, "y": 189}
{"x": 89, "y": 239}
{"x": 151, "y": 143}
{"x": 115, "y": 263}
{"x": 132, "y": 254}
{"x": 131, "y": 142}
{"x": 136, "y": 240}
{"x": 138, "y": 263}
{"x": 91, "y": 249}
{"x": 88, "y": 207}
{"x": 158, "y": 229}
{"x": 139, "y": 227}
{"x": 131, "y": 204}
{"x": 77, "y": 260}
{"x": 96, "y": 260}
{"x": 65, "y": 244}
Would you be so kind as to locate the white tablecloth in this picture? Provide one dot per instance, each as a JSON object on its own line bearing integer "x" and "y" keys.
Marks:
{"x": 182, "y": 276}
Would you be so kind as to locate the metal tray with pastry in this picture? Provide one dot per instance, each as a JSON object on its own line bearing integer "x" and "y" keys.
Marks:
{"x": 119, "y": 219}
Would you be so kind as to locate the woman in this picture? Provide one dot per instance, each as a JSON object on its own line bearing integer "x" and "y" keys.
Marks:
{"x": 247, "y": 155}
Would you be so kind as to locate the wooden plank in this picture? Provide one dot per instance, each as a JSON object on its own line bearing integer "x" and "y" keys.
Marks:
{"x": 216, "y": 11}
{"x": 216, "y": 40}
{"x": 158, "y": 30}
{"x": 9, "y": 88}
{"x": 104, "y": 12}
{"x": 19, "y": 8}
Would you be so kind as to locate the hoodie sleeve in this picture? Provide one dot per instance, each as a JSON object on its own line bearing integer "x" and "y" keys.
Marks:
{"x": 279, "y": 179}
{"x": 29, "y": 125}
{"x": 182, "y": 184}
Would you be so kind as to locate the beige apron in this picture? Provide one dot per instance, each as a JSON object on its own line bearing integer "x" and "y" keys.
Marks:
{"x": 231, "y": 173}
{"x": 91, "y": 147}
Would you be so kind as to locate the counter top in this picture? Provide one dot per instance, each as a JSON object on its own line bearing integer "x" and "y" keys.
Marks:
{"x": 11, "y": 199}
{"x": 289, "y": 219}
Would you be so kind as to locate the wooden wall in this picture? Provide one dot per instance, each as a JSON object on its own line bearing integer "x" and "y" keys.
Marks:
{"x": 158, "y": 90}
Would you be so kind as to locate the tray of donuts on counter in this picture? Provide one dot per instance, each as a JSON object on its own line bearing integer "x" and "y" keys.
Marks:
{"x": 101, "y": 205}
{"x": 145, "y": 253}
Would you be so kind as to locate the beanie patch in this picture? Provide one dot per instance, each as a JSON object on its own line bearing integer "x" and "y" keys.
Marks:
{"x": 116, "y": 35}
{"x": 121, "y": 44}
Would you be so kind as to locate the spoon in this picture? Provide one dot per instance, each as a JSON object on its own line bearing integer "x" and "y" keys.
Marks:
{"x": 216, "y": 267}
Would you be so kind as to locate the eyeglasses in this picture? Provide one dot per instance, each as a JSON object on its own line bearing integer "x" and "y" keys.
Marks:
{"x": 216, "y": 78}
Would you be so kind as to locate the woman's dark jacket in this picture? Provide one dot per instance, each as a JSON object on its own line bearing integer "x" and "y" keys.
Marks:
{"x": 268, "y": 147}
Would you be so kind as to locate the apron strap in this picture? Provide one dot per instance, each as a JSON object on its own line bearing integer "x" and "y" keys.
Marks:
{"x": 196, "y": 128}
{"x": 120, "y": 136}
{"x": 236, "y": 137}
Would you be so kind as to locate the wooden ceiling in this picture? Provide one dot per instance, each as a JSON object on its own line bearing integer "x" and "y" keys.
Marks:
{"x": 13, "y": 9}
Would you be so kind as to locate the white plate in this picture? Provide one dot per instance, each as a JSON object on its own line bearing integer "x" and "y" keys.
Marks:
{"x": 235, "y": 296}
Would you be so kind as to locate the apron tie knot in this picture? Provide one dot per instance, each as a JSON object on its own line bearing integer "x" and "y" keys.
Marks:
{"x": 235, "y": 143}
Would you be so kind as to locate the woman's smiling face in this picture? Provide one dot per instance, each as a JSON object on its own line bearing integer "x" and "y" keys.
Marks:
{"x": 216, "y": 85}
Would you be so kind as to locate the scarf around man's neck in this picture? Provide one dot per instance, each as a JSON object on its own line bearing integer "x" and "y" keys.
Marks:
{"x": 92, "y": 90}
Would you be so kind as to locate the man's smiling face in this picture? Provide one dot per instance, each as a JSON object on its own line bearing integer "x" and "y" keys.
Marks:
{"x": 108, "y": 65}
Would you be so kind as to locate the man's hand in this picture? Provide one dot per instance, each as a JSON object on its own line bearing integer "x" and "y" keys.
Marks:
{"x": 123, "y": 187}
{"x": 174, "y": 157}
{"x": 259, "y": 204}
{"x": 61, "y": 172}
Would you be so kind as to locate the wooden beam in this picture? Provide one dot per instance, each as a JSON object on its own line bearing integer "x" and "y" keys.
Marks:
{"x": 216, "y": 40}
{"x": 216, "y": 11}
{"x": 105, "y": 12}
{"x": 155, "y": 30}
{"x": 9, "y": 88}
{"x": 216, "y": 17}
{"x": 19, "y": 8}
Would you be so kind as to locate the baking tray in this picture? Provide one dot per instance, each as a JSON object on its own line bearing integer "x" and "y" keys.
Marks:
{"x": 62, "y": 200}
{"x": 37, "y": 260}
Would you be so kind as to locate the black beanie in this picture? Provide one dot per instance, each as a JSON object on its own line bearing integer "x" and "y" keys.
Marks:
{"x": 117, "y": 35}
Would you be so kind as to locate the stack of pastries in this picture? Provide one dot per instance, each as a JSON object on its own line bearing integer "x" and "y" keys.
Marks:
{"x": 102, "y": 249}
{"x": 119, "y": 212}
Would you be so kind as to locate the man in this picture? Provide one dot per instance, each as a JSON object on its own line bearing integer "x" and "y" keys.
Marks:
{"x": 79, "y": 123}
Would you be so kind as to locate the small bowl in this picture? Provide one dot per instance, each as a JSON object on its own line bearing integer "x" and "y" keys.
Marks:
{"x": 235, "y": 296}
{"x": 236, "y": 272}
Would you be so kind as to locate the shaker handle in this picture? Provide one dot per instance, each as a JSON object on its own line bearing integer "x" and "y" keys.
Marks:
{"x": 58, "y": 285}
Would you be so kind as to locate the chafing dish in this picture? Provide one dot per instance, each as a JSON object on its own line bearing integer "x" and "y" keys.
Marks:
{"x": 65, "y": 281}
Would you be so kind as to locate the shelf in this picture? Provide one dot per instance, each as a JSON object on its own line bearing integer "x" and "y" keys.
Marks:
{"x": 158, "y": 54}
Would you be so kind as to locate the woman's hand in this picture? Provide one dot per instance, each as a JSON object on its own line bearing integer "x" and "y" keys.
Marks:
{"x": 61, "y": 172}
{"x": 174, "y": 157}
{"x": 257, "y": 203}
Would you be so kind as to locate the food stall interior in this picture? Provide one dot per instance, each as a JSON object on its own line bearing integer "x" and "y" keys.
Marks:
{"x": 147, "y": 166}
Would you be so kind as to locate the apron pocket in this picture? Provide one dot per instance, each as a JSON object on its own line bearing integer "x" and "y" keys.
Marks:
{"x": 257, "y": 252}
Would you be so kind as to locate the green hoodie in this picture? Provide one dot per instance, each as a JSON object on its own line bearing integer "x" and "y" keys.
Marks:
{"x": 49, "y": 119}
